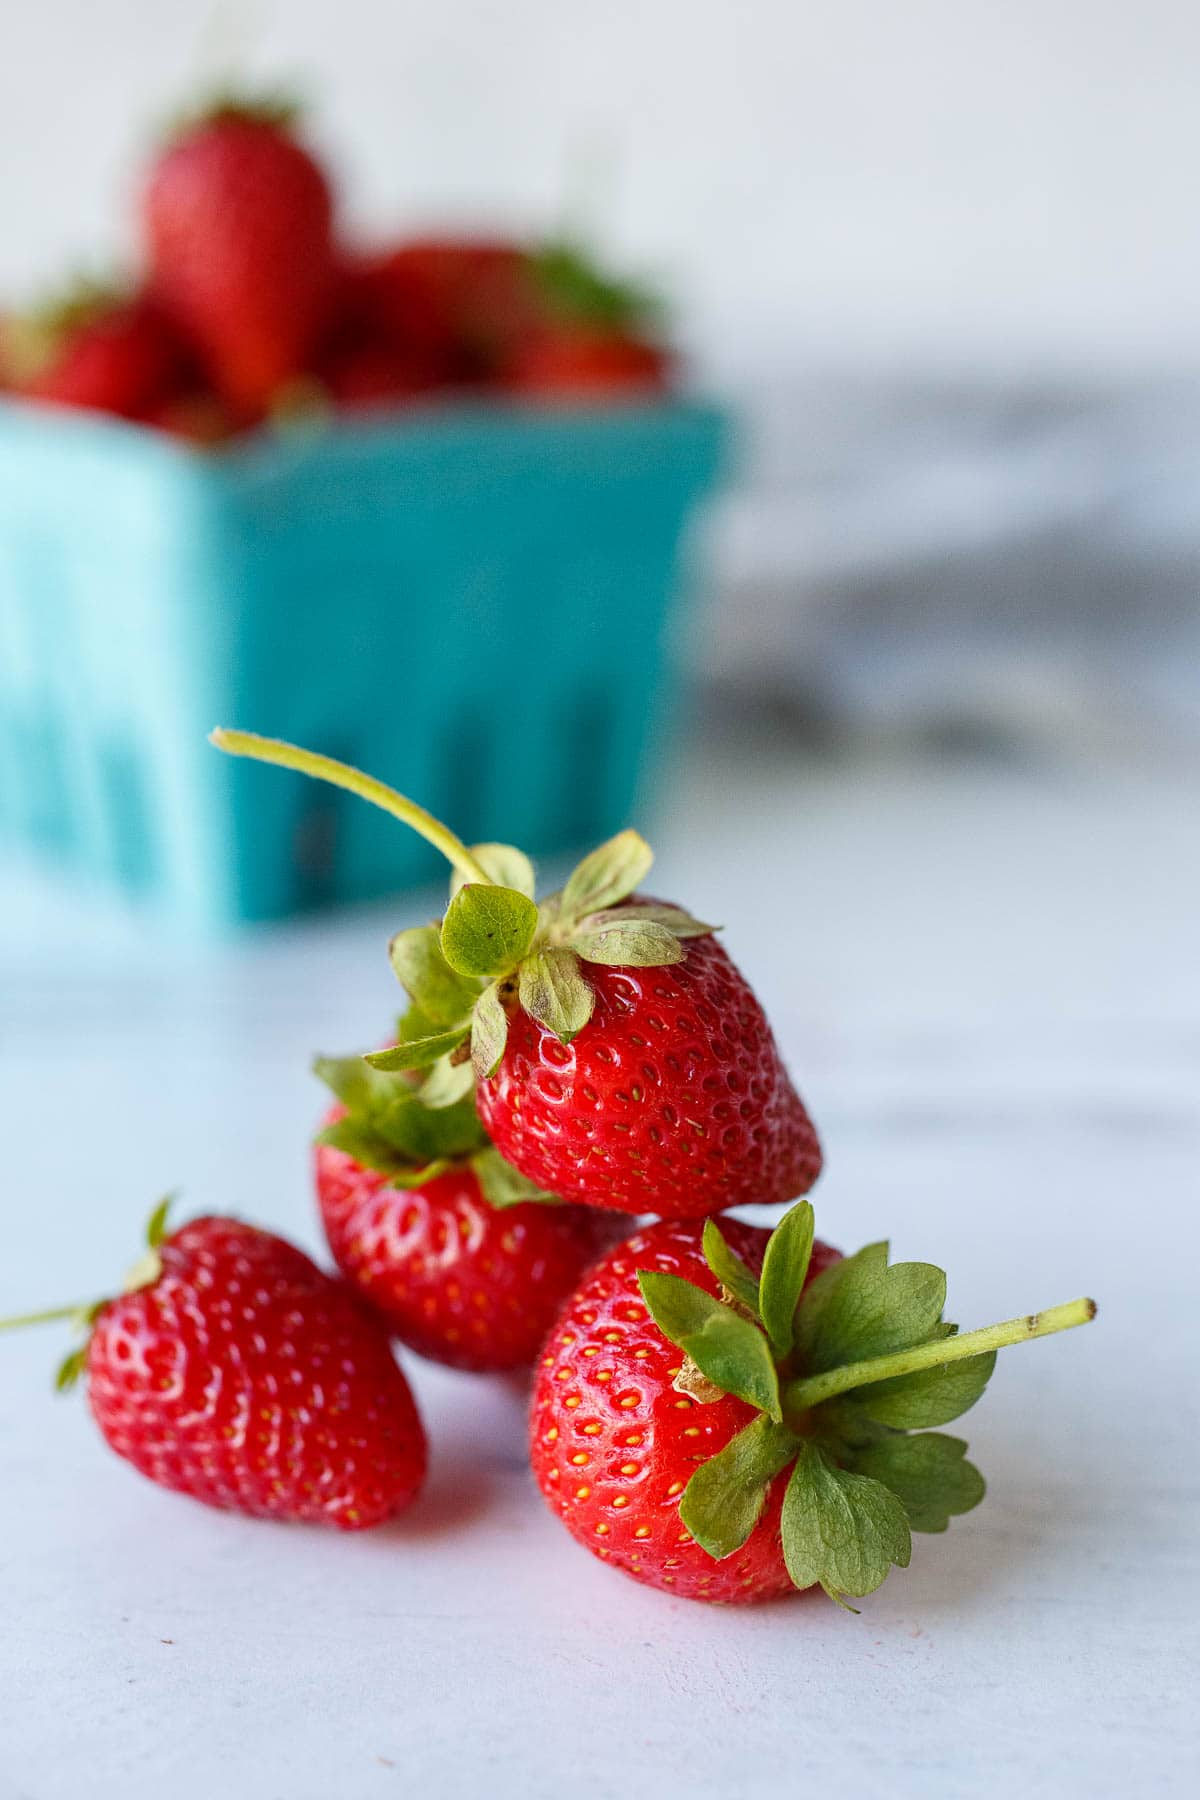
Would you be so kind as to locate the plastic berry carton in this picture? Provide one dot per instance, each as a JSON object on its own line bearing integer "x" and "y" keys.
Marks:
{"x": 470, "y": 603}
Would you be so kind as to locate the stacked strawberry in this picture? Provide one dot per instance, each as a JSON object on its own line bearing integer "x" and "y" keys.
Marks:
{"x": 251, "y": 309}
{"x": 723, "y": 1412}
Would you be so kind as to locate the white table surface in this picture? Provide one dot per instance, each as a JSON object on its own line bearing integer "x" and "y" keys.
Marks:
{"x": 993, "y": 1005}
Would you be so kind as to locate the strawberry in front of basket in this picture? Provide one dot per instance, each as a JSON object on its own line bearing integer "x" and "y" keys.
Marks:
{"x": 621, "y": 1059}
{"x": 731, "y": 1415}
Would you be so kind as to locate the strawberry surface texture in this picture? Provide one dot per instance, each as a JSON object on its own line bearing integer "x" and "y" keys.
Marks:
{"x": 453, "y": 1277}
{"x": 673, "y": 1099}
{"x": 614, "y": 1443}
{"x": 246, "y": 1378}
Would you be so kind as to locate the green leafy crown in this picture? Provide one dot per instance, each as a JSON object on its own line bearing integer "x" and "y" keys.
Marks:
{"x": 846, "y": 1378}
{"x": 496, "y": 948}
{"x": 576, "y": 291}
{"x": 414, "y": 1125}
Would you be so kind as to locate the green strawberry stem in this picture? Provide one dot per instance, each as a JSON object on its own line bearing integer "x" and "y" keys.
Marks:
{"x": 20, "y": 1320}
{"x": 339, "y": 774}
{"x": 811, "y": 1390}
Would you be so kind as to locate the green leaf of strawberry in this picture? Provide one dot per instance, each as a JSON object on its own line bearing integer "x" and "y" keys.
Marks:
{"x": 610, "y": 873}
{"x": 552, "y": 990}
{"x": 841, "y": 1530}
{"x": 862, "y": 1307}
{"x": 417, "y": 1053}
{"x": 410, "y": 1127}
{"x": 629, "y": 943}
{"x": 785, "y": 1266}
{"x": 487, "y": 930}
{"x": 444, "y": 996}
{"x": 838, "y": 1369}
{"x": 502, "y": 863}
{"x": 728, "y": 1350}
{"x": 723, "y": 1501}
{"x": 737, "y": 1280}
{"x": 928, "y": 1473}
{"x": 502, "y": 1184}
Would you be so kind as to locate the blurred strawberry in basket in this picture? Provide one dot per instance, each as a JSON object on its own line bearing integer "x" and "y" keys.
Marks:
{"x": 455, "y": 304}
{"x": 97, "y": 348}
{"x": 581, "y": 360}
{"x": 252, "y": 313}
{"x": 594, "y": 336}
{"x": 239, "y": 225}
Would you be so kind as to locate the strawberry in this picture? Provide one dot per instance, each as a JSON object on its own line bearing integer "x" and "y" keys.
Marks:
{"x": 233, "y": 1370}
{"x": 97, "y": 349}
{"x": 621, "y": 1059}
{"x": 593, "y": 337}
{"x": 730, "y": 1415}
{"x": 239, "y": 222}
{"x": 451, "y": 303}
{"x": 432, "y": 1228}
{"x": 588, "y": 363}
{"x": 671, "y": 1099}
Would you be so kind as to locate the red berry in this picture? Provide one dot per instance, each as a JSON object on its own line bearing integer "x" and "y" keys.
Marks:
{"x": 614, "y": 1444}
{"x": 455, "y": 1278}
{"x": 457, "y": 303}
{"x": 246, "y": 1378}
{"x": 584, "y": 362}
{"x": 116, "y": 356}
{"x": 238, "y": 219}
{"x": 673, "y": 1098}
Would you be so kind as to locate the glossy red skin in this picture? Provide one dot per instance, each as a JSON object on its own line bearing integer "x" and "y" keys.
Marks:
{"x": 613, "y": 1445}
{"x": 238, "y": 220}
{"x": 588, "y": 363}
{"x": 124, "y": 361}
{"x": 453, "y": 1278}
{"x": 672, "y": 1099}
{"x": 251, "y": 1381}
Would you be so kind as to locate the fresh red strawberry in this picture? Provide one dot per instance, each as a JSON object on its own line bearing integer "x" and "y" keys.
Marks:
{"x": 239, "y": 222}
{"x": 454, "y": 1277}
{"x": 233, "y": 1370}
{"x": 594, "y": 338}
{"x": 614, "y": 1443}
{"x": 729, "y": 1416}
{"x": 672, "y": 1099}
{"x": 622, "y": 1060}
{"x": 453, "y": 304}
{"x": 96, "y": 349}
{"x": 588, "y": 363}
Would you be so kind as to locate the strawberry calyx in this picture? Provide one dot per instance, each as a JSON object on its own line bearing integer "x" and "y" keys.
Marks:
{"x": 413, "y": 1125}
{"x": 280, "y": 110}
{"x": 143, "y": 1273}
{"x": 576, "y": 292}
{"x": 846, "y": 1376}
{"x": 496, "y": 948}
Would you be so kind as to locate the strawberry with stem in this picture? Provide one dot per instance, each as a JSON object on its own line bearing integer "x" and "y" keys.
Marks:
{"x": 465, "y": 1261}
{"x": 621, "y": 1060}
{"x": 231, "y": 1369}
{"x": 731, "y": 1415}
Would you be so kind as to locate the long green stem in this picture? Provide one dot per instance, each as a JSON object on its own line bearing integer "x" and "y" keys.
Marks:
{"x": 41, "y": 1318}
{"x": 339, "y": 774}
{"x": 811, "y": 1390}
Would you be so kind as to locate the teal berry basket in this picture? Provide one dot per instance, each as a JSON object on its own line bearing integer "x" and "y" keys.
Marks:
{"x": 472, "y": 604}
